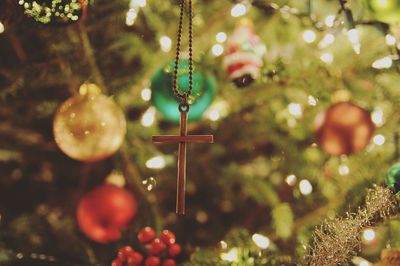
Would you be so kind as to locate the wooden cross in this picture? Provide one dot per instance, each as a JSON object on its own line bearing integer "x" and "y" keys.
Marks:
{"x": 182, "y": 139}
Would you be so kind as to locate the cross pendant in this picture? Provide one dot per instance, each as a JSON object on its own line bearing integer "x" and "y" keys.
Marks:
{"x": 182, "y": 139}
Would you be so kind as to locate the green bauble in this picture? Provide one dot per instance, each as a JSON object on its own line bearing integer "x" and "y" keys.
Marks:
{"x": 387, "y": 11}
{"x": 393, "y": 178}
{"x": 163, "y": 98}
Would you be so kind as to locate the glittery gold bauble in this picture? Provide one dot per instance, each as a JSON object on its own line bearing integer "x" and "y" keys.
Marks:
{"x": 390, "y": 257}
{"x": 344, "y": 129}
{"x": 89, "y": 127}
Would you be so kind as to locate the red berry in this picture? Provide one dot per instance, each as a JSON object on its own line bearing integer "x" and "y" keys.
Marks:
{"x": 174, "y": 250}
{"x": 146, "y": 235}
{"x": 169, "y": 262}
{"x": 125, "y": 252}
{"x": 152, "y": 261}
{"x": 135, "y": 260}
{"x": 167, "y": 237}
{"x": 116, "y": 262}
{"x": 156, "y": 247}
{"x": 138, "y": 257}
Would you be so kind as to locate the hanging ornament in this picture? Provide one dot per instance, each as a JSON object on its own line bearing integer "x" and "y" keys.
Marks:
{"x": 390, "y": 257}
{"x": 344, "y": 129}
{"x": 393, "y": 178}
{"x": 243, "y": 56}
{"x": 203, "y": 93}
{"x": 161, "y": 251}
{"x": 184, "y": 96}
{"x": 387, "y": 11}
{"x": 54, "y": 12}
{"x": 104, "y": 212}
{"x": 89, "y": 127}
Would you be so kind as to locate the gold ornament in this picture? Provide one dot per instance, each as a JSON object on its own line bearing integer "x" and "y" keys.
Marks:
{"x": 390, "y": 257}
{"x": 89, "y": 127}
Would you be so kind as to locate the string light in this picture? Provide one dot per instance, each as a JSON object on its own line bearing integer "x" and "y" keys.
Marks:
{"x": 165, "y": 43}
{"x": 291, "y": 180}
{"x": 221, "y": 37}
{"x": 379, "y": 140}
{"x": 232, "y": 255}
{"x": 377, "y": 117}
{"x": 217, "y": 49}
{"x": 261, "y": 241}
{"x": 326, "y": 41}
{"x": 385, "y": 62}
{"x": 368, "y": 235}
{"x": 157, "y": 162}
{"x": 309, "y": 36}
{"x": 137, "y": 3}
{"x": 390, "y": 39}
{"x": 217, "y": 110}
{"x": 330, "y": 20}
{"x": 326, "y": 58}
{"x": 295, "y": 109}
{"x": 343, "y": 170}
{"x": 148, "y": 117}
{"x": 1, "y": 28}
{"x": 311, "y": 100}
{"x": 131, "y": 16}
{"x": 146, "y": 94}
{"x": 305, "y": 187}
{"x": 354, "y": 40}
{"x": 238, "y": 10}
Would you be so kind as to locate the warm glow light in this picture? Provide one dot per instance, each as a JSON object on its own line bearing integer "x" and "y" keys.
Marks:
{"x": 148, "y": 117}
{"x": 1, "y": 28}
{"x": 217, "y": 49}
{"x": 390, "y": 39}
{"x": 146, "y": 94}
{"x": 379, "y": 140}
{"x": 291, "y": 180}
{"x": 305, "y": 187}
{"x": 326, "y": 58}
{"x": 385, "y": 62}
{"x": 354, "y": 40}
{"x": 311, "y": 100}
{"x": 165, "y": 43}
{"x": 309, "y": 36}
{"x": 326, "y": 41}
{"x": 221, "y": 37}
{"x": 368, "y": 235}
{"x": 377, "y": 117}
{"x": 131, "y": 16}
{"x": 330, "y": 20}
{"x": 157, "y": 162}
{"x": 231, "y": 255}
{"x": 295, "y": 109}
{"x": 343, "y": 170}
{"x": 261, "y": 241}
{"x": 238, "y": 10}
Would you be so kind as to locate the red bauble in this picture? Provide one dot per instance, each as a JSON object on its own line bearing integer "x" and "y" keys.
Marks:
{"x": 125, "y": 253}
{"x": 344, "y": 129}
{"x": 169, "y": 262}
{"x": 174, "y": 250}
{"x": 167, "y": 237}
{"x": 152, "y": 261}
{"x": 146, "y": 235}
{"x": 156, "y": 247}
{"x": 104, "y": 212}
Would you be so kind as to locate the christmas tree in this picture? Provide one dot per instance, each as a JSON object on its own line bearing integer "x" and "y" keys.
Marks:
{"x": 301, "y": 98}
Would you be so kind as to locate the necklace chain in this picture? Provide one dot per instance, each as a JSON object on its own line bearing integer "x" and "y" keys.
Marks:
{"x": 183, "y": 96}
